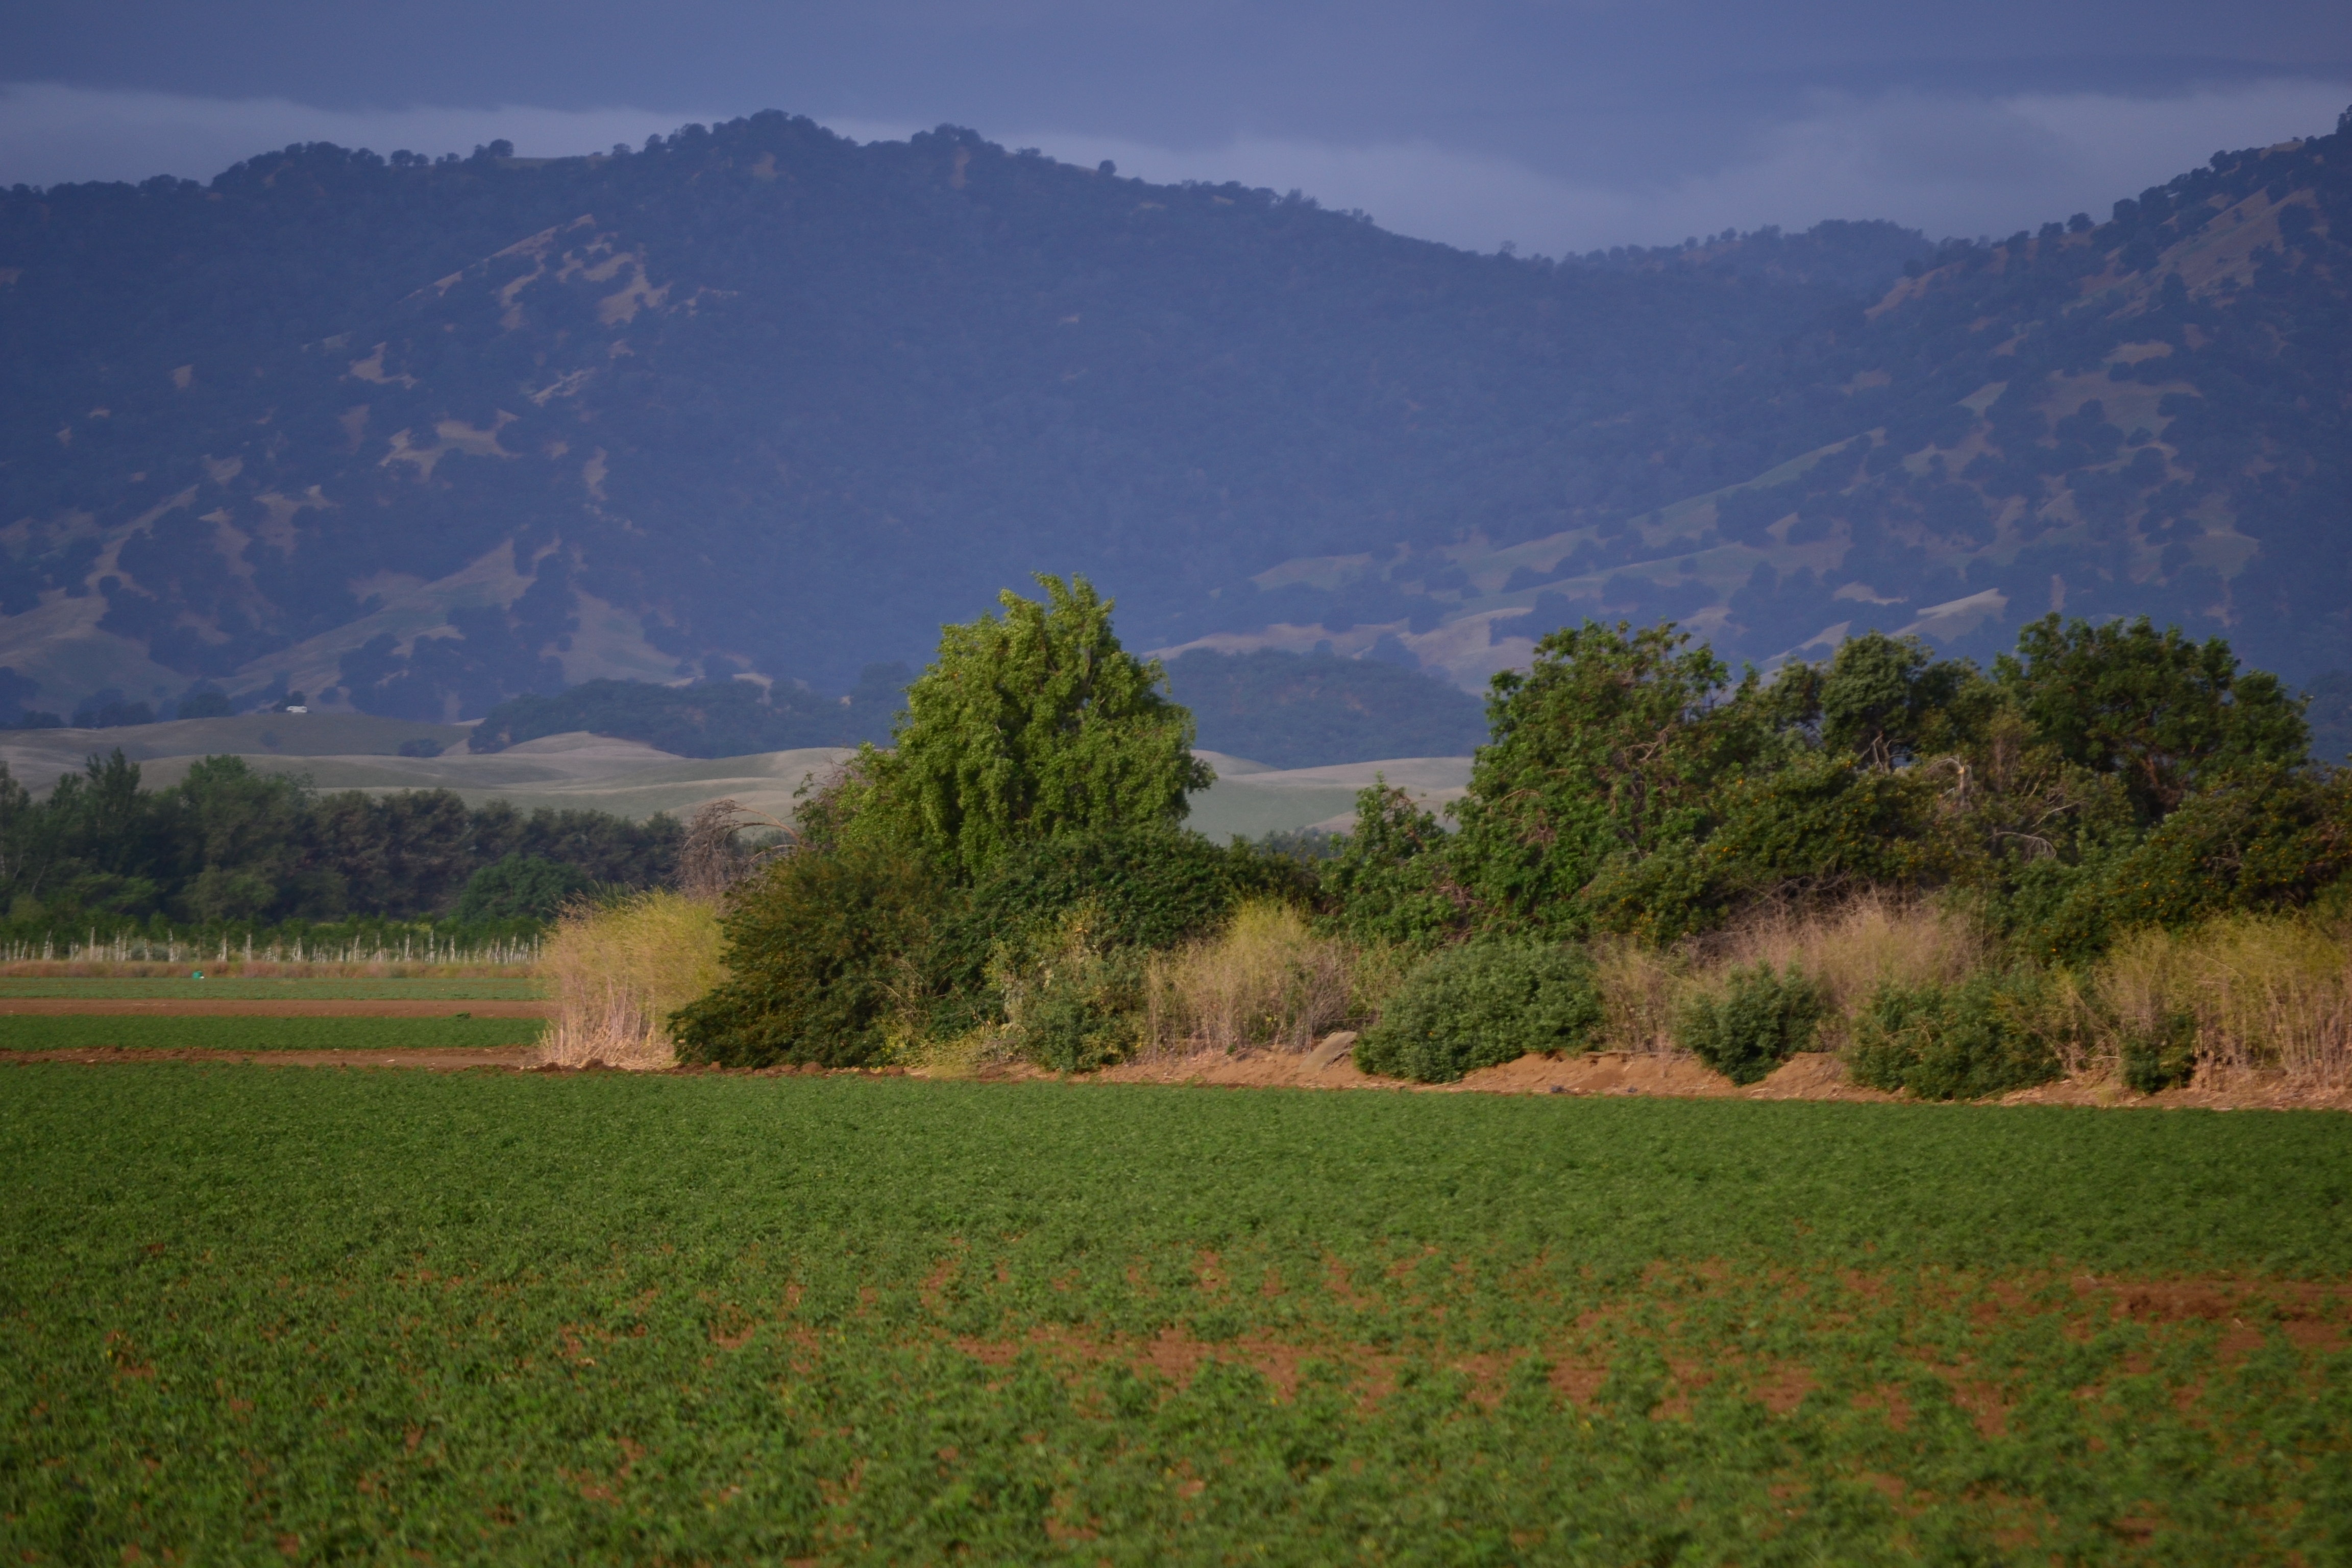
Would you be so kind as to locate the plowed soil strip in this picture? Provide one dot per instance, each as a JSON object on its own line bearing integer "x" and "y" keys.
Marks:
{"x": 432, "y": 1058}
{"x": 272, "y": 1007}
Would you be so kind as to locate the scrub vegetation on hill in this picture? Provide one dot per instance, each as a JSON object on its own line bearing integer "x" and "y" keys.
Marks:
{"x": 1311, "y": 710}
{"x": 1286, "y": 710}
{"x": 422, "y": 436}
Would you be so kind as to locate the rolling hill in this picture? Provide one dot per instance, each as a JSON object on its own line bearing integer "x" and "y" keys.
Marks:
{"x": 417, "y": 437}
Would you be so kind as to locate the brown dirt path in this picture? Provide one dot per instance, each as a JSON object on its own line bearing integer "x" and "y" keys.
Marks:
{"x": 1809, "y": 1075}
{"x": 274, "y": 1008}
{"x": 432, "y": 1058}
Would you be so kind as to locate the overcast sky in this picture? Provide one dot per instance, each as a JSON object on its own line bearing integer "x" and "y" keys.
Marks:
{"x": 1560, "y": 126}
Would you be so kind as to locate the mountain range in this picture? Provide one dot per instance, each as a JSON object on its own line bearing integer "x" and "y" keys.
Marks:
{"x": 419, "y": 436}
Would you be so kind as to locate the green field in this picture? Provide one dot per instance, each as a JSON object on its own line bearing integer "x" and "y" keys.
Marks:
{"x": 283, "y": 990}
{"x": 257, "y": 1315}
{"x": 81, "y": 1031}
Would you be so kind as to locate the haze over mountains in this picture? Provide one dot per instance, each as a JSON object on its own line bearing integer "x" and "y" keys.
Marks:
{"x": 418, "y": 438}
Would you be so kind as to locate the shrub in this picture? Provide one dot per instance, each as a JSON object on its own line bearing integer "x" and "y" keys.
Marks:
{"x": 1983, "y": 1036}
{"x": 1073, "y": 1004}
{"x": 1265, "y": 980}
{"x": 619, "y": 970}
{"x": 2163, "y": 1056}
{"x": 519, "y": 888}
{"x": 1480, "y": 1005}
{"x": 1147, "y": 888}
{"x": 1759, "y": 1020}
{"x": 821, "y": 955}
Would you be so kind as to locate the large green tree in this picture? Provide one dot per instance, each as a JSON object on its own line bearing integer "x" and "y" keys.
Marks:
{"x": 2161, "y": 713}
{"x": 1608, "y": 750}
{"x": 1028, "y": 725}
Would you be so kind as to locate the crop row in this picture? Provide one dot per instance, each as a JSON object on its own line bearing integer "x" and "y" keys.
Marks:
{"x": 530, "y": 1319}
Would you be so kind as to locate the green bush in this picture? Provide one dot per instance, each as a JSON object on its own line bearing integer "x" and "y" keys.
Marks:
{"x": 1480, "y": 1005}
{"x": 521, "y": 887}
{"x": 1759, "y": 1021}
{"x": 819, "y": 956}
{"x": 1139, "y": 887}
{"x": 2161, "y": 1057}
{"x": 1984, "y": 1036}
{"x": 1052, "y": 934}
{"x": 1078, "y": 1007}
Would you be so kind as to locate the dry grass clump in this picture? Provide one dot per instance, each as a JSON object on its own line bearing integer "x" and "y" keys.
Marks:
{"x": 1265, "y": 980}
{"x": 1855, "y": 948}
{"x": 617, "y": 971}
{"x": 2258, "y": 991}
{"x": 2247, "y": 994}
{"x": 1850, "y": 951}
{"x": 1642, "y": 990}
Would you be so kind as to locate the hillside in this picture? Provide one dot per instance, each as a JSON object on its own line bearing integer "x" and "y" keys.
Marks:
{"x": 418, "y": 438}
{"x": 1318, "y": 710}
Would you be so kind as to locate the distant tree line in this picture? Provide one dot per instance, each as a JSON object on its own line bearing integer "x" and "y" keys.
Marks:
{"x": 228, "y": 846}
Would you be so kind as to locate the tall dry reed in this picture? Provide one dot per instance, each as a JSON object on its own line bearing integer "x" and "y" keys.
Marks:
{"x": 619, "y": 969}
{"x": 1850, "y": 951}
{"x": 1853, "y": 950}
{"x": 2260, "y": 992}
{"x": 1265, "y": 980}
{"x": 1642, "y": 989}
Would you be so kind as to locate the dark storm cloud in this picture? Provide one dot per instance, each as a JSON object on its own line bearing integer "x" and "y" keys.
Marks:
{"x": 1558, "y": 125}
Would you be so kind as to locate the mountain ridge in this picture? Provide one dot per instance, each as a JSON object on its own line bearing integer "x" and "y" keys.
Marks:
{"x": 428, "y": 435}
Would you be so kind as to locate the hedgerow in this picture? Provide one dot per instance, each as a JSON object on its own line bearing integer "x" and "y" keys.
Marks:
{"x": 2101, "y": 780}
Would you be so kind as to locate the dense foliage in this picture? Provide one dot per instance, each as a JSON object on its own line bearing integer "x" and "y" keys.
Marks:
{"x": 1028, "y": 726}
{"x": 229, "y": 846}
{"x": 1761, "y": 1020}
{"x": 1012, "y": 853}
{"x": 1481, "y": 1006}
{"x": 1981, "y": 1036}
{"x": 678, "y": 411}
{"x": 1008, "y": 868}
{"x": 2099, "y": 779}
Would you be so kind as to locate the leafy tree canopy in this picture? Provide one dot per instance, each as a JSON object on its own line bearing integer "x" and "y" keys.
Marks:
{"x": 1611, "y": 746}
{"x": 2159, "y": 710}
{"x": 1031, "y": 725}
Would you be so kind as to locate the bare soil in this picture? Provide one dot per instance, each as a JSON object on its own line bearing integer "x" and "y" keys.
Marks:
{"x": 433, "y": 1058}
{"x": 1809, "y": 1075}
{"x": 276, "y": 1007}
